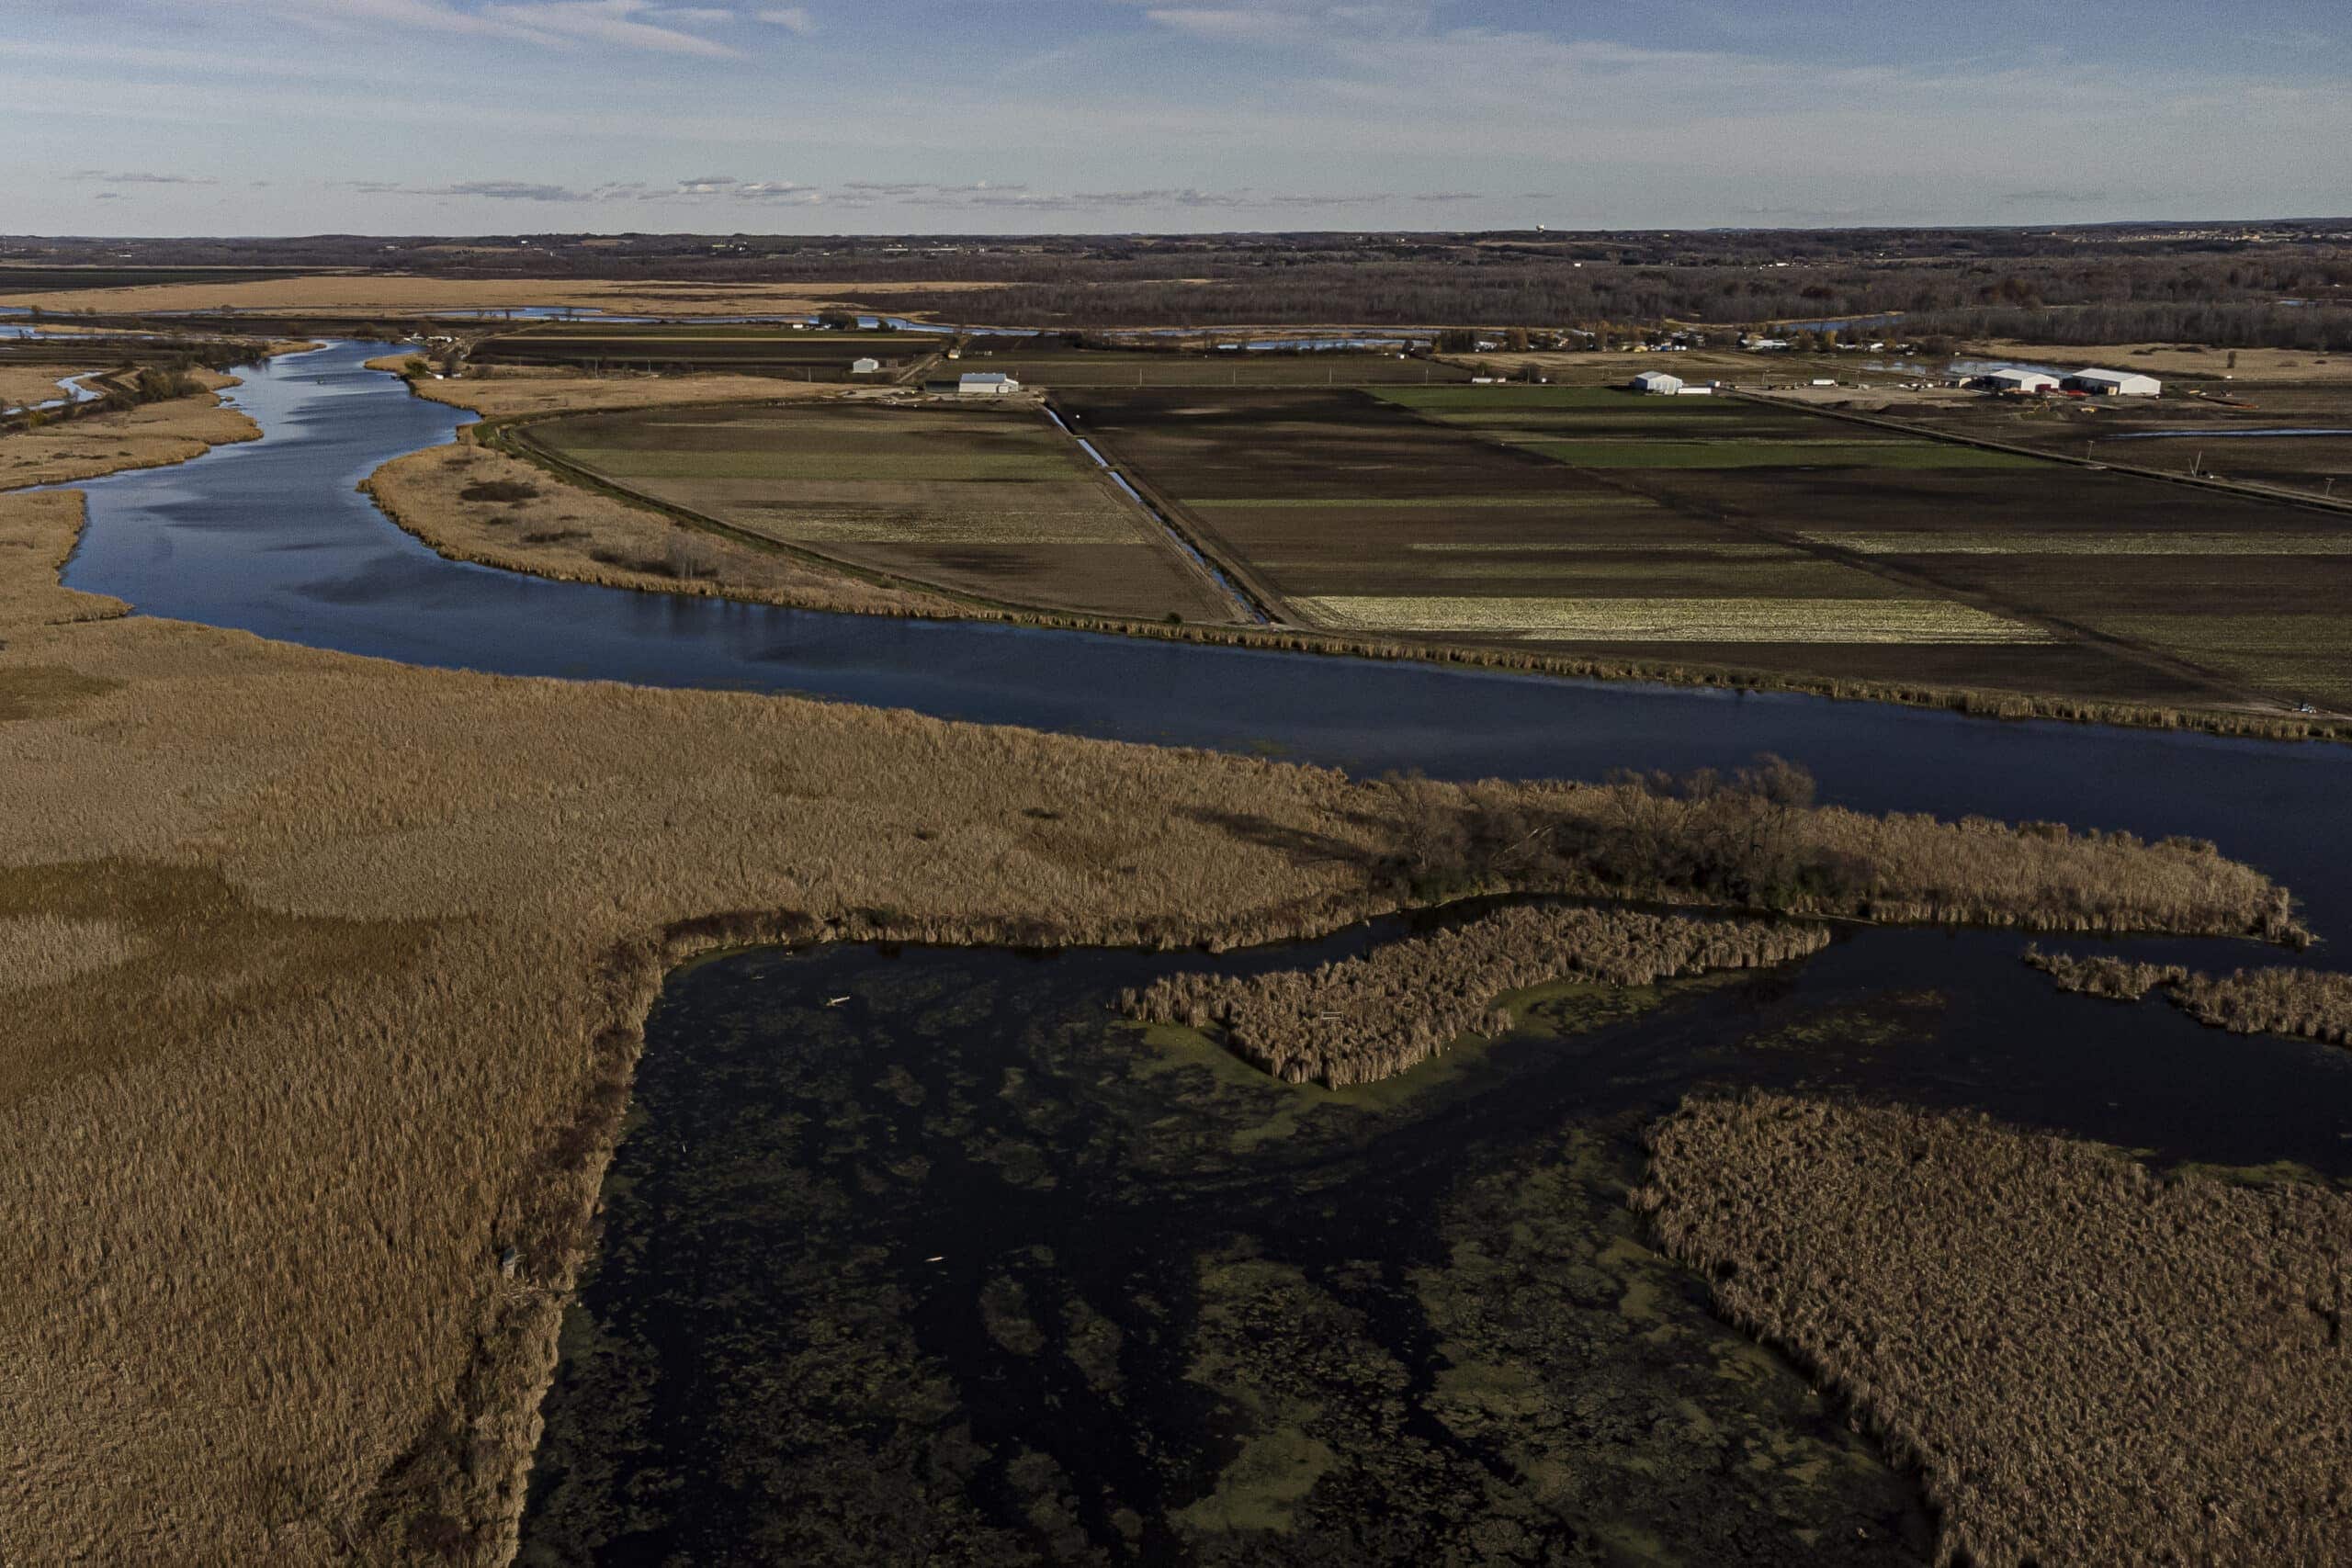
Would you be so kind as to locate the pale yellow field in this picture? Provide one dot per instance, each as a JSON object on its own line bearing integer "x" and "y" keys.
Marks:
{"x": 1675, "y": 620}
{"x": 143, "y": 437}
{"x": 2162, "y": 359}
{"x": 25, "y": 384}
{"x": 2008, "y": 543}
{"x": 530, "y": 390}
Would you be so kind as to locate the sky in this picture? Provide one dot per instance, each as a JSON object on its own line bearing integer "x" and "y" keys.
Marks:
{"x": 403, "y": 117}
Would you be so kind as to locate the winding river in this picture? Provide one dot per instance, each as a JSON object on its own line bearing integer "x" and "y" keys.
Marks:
{"x": 270, "y": 536}
{"x": 913, "y": 1256}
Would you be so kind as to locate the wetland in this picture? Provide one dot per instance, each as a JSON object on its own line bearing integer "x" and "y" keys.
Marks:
{"x": 919, "y": 1254}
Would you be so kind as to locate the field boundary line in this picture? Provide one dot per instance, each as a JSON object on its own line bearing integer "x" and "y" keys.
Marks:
{"x": 1975, "y": 701}
{"x": 2321, "y": 504}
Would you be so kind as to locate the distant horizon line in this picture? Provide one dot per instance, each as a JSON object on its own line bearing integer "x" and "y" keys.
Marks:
{"x": 521, "y": 235}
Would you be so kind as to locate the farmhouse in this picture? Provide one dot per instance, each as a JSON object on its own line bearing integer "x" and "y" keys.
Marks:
{"x": 2011, "y": 379}
{"x": 867, "y": 366}
{"x": 2113, "y": 384}
{"x": 1656, "y": 382}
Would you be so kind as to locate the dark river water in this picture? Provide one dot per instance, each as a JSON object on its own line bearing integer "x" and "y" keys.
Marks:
{"x": 922, "y": 1257}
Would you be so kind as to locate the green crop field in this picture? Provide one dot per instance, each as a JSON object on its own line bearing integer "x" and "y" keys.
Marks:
{"x": 993, "y": 503}
{"x": 1739, "y": 454}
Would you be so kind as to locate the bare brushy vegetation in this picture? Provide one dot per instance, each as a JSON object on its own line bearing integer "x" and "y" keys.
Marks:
{"x": 1753, "y": 838}
{"x": 2088, "y": 1361}
{"x": 2313, "y": 1004}
{"x": 1361, "y": 1019}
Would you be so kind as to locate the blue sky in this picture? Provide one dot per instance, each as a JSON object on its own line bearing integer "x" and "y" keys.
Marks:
{"x": 159, "y": 117}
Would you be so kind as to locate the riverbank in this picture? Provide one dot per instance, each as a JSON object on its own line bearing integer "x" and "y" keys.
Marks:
{"x": 149, "y": 436}
{"x": 403, "y": 926}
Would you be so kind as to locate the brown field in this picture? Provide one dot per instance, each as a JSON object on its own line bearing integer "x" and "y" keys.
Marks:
{"x": 2189, "y": 430}
{"x": 143, "y": 437}
{"x": 990, "y": 502}
{"x": 2187, "y": 362}
{"x": 473, "y": 504}
{"x": 682, "y": 348}
{"x": 377, "y": 943}
{"x": 2089, "y": 1363}
{"x": 381, "y": 294}
{"x": 1758, "y": 538}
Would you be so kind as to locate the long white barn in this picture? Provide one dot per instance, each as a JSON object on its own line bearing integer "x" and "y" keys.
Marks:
{"x": 2113, "y": 383}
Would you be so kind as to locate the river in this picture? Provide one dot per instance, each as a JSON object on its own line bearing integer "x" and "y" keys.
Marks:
{"x": 917, "y": 1256}
{"x": 270, "y": 536}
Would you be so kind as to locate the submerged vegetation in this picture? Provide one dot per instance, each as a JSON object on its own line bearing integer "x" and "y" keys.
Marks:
{"x": 2088, "y": 1362}
{"x": 2313, "y": 1004}
{"x": 1361, "y": 1019}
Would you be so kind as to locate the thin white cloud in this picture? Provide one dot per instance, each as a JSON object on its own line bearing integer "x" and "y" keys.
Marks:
{"x": 618, "y": 22}
{"x": 99, "y": 176}
{"x": 791, "y": 18}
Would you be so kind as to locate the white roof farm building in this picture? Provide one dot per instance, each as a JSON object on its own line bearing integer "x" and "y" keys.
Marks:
{"x": 2011, "y": 379}
{"x": 981, "y": 383}
{"x": 2113, "y": 383}
{"x": 1656, "y": 382}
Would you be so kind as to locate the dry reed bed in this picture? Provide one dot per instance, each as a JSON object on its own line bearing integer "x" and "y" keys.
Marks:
{"x": 509, "y": 391}
{"x": 473, "y": 504}
{"x": 392, "y": 933}
{"x": 1360, "y": 1020}
{"x": 2310, "y": 1004}
{"x": 2088, "y": 1362}
{"x": 148, "y": 437}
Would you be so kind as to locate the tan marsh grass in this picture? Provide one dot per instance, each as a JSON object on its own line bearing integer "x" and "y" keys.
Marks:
{"x": 2088, "y": 1362}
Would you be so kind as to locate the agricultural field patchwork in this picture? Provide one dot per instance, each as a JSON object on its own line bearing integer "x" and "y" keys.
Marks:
{"x": 993, "y": 503}
{"x": 1727, "y": 531}
{"x": 2292, "y": 435}
{"x": 796, "y": 354}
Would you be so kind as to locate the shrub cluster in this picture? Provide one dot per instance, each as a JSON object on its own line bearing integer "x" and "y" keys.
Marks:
{"x": 1752, "y": 837}
{"x": 1361, "y": 1019}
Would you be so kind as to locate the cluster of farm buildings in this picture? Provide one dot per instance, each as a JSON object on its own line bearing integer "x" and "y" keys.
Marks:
{"x": 1658, "y": 381}
{"x": 2091, "y": 383}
